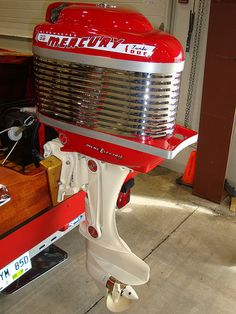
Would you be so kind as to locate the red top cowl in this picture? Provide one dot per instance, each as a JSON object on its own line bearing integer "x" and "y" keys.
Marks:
{"x": 106, "y": 32}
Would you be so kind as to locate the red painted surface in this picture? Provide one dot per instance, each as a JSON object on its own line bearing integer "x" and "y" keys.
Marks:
{"x": 123, "y": 199}
{"x": 31, "y": 234}
{"x": 86, "y": 29}
{"x": 118, "y": 34}
{"x": 108, "y": 152}
{"x": 92, "y": 165}
{"x": 41, "y": 138}
{"x": 93, "y": 232}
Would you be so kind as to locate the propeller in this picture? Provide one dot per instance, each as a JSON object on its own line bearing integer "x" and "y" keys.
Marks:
{"x": 120, "y": 299}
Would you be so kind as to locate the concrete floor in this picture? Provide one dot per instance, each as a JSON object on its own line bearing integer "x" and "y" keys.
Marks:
{"x": 188, "y": 242}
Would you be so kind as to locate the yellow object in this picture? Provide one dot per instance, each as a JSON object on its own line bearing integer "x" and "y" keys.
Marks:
{"x": 53, "y": 166}
{"x": 233, "y": 204}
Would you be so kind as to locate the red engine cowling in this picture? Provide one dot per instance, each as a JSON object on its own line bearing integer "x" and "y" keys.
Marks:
{"x": 109, "y": 83}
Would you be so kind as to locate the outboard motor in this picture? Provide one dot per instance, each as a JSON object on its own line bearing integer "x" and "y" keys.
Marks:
{"x": 109, "y": 84}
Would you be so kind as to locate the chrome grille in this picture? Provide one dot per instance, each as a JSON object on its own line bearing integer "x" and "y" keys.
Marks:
{"x": 112, "y": 101}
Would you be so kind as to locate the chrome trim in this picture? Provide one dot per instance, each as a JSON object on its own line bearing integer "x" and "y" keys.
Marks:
{"x": 118, "y": 64}
{"x": 167, "y": 154}
{"x": 107, "y": 100}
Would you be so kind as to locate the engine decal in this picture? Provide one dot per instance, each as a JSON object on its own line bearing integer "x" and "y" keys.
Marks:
{"x": 103, "y": 151}
{"x": 104, "y": 43}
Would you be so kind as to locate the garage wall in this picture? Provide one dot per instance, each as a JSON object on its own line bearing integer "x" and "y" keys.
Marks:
{"x": 180, "y": 29}
{"x": 180, "y": 26}
{"x": 231, "y": 167}
{"x": 18, "y": 18}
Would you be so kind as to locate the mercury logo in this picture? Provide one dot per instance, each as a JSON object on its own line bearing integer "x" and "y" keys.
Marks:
{"x": 84, "y": 42}
{"x": 104, "y": 43}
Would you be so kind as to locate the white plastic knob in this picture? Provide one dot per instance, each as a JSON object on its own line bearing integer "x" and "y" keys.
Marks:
{"x": 13, "y": 134}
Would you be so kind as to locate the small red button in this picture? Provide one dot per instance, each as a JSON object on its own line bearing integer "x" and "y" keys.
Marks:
{"x": 92, "y": 165}
{"x": 93, "y": 232}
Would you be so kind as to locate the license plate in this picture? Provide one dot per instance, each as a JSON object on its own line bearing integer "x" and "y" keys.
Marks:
{"x": 76, "y": 220}
{"x": 14, "y": 270}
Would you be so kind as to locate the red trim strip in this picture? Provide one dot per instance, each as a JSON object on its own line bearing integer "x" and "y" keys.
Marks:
{"x": 28, "y": 236}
